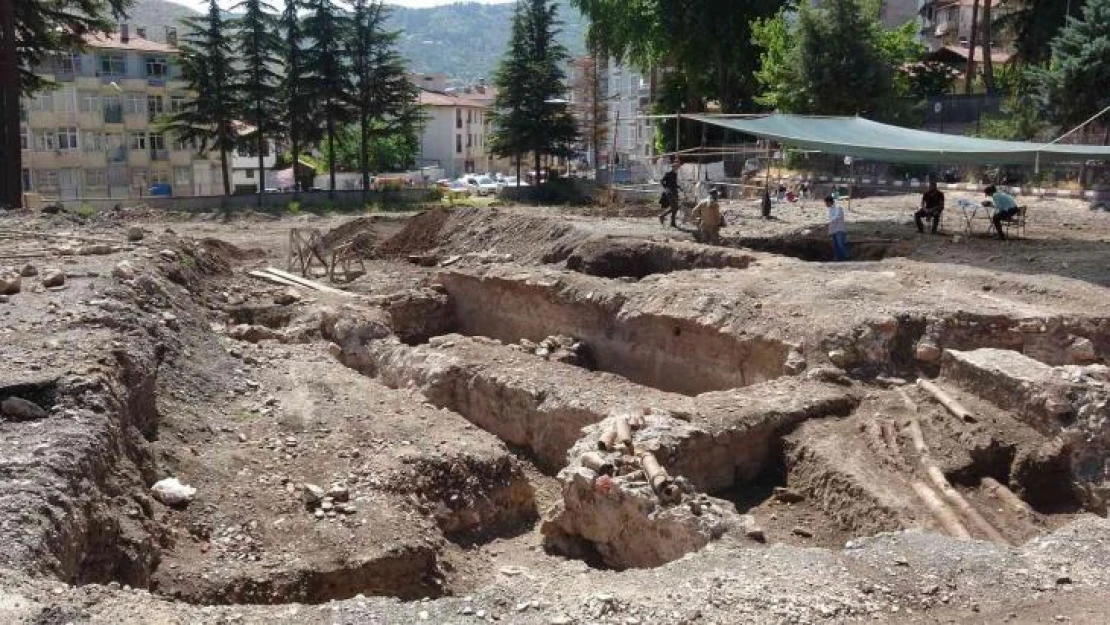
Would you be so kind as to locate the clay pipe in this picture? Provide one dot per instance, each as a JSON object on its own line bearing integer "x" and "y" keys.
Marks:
{"x": 624, "y": 432}
{"x": 956, "y": 408}
{"x": 597, "y": 463}
{"x": 660, "y": 481}
{"x": 608, "y": 440}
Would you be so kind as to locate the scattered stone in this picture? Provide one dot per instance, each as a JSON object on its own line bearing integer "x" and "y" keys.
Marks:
{"x": 10, "y": 282}
{"x": 312, "y": 494}
{"x": 53, "y": 278}
{"x": 96, "y": 249}
{"x": 287, "y": 296}
{"x": 1082, "y": 351}
{"x": 795, "y": 363}
{"x": 804, "y": 532}
{"x": 19, "y": 409}
{"x": 751, "y": 529}
{"x": 829, "y": 374}
{"x": 125, "y": 270}
{"x": 840, "y": 357}
{"x": 168, "y": 255}
{"x": 28, "y": 271}
{"x": 339, "y": 492}
{"x": 253, "y": 333}
{"x": 170, "y": 320}
{"x": 135, "y": 233}
{"x": 172, "y": 492}
{"x": 927, "y": 352}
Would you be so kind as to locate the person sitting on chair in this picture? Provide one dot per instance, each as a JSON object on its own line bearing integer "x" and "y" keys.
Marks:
{"x": 932, "y": 205}
{"x": 1005, "y": 207}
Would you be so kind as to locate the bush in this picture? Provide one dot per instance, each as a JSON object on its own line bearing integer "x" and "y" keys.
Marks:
{"x": 293, "y": 208}
{"x": 85, "y": 211}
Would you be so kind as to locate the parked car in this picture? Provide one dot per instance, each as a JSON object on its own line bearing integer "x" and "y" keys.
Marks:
{"x": 510, "y": 181}
{"x": 482, "y": 185}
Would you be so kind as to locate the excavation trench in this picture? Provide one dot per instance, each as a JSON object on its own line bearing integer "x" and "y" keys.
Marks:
{"x": 820, "y": 250}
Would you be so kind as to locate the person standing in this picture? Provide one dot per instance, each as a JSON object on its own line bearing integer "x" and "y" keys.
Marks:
{"x": 670, "y": 193}
{"x": 932, "y": 205}
{"x": 707, "y": 214}
{"x": 1005, "y": 207}
{"x": 838, "y": 230}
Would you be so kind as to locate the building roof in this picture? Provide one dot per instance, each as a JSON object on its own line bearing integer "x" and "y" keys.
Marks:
{"x": 434, "y": 98}
{"x": 949, "y": 52}
{"x": 113, "y": 41}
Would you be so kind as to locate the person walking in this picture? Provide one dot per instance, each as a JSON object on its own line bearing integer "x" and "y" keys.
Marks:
{"x": 707, "y": 214}
{"x": 838, "y": 231}
{"x": 932, "y": 205}
{"x": 670, "y": 194}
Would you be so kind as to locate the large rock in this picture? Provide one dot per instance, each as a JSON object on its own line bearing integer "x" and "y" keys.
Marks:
{"x": 172, "y": 492}
{"x": 53, "y": 278}
{"x": 10, "y": 282}
{"x": 19, "y": 409}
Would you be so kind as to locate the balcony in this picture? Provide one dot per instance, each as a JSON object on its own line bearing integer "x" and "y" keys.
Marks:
{"x": 159, "y": 154}
{"x": 117, "y": 155}
{"x": 135, "y": 121}
{"x": 138, "y": 158}
{"x": 113, "y": 115}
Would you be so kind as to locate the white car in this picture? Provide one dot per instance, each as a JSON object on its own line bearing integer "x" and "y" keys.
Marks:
{"x": 482, "y": 185}
{"x": 510, "y": 181}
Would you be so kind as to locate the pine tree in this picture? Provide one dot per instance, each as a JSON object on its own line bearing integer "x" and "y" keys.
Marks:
{"x": 206, "y": 59}
{"x": 385, "y": 100}
{"x": 530, "y": 115}
{"x": 328, "y": 68}
{"x": 1073, "y": 88}
{"x": 258, "y": 52}
{"x": 30, "y": 31}
{"x": 294, "y": 88}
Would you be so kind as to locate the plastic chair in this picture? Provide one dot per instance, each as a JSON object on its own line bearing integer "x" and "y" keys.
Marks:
{"x": 1016, "y": 223}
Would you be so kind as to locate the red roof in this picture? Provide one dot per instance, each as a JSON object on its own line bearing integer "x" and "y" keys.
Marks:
{"x": 112, "y": 41}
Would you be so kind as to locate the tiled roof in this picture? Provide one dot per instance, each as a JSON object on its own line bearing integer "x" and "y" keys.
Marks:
{"x": 112, "y": 41}
{"x": 434, "y": 98}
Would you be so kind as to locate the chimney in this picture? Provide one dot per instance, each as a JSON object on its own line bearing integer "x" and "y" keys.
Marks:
{"x": 140, "y": 32}
{"x": 171, "y": 35}
{"x": 124, "y": 32}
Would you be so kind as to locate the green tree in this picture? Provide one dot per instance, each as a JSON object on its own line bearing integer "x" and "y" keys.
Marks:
{"x": 387, "y": 151}
{"x": 30, "y": 31}
{"x": 206, "y": 60}
{"x": 328, "y": 67}
{"x": 299, "y": 126}
{"x": 1033, "y": 24}
{"x": 530, "y": 115}
{"x": 385, "y": 100}
{"x": 258, "y": 48}
{"x": 1073, "y": 87}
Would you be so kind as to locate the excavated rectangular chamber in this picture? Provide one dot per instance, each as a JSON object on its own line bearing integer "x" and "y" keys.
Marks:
{"x": 669, "y": 353}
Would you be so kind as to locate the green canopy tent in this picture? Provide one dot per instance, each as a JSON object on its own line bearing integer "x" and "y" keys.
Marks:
{"x": 865, "y": 139}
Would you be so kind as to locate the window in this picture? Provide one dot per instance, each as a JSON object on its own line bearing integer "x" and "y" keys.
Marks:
{"x": 155, "y": 106}
{"x": 458, "y": 144}
{"x": 159, "y": 177}
{"x": 469, "y": 140}
{"x": 96, "y": 178}
{"x": 113, "y": 141}
{"x": 157, "y": 67}
{"x": 67, "y": 138}
{"x": 24, "y": 138}
{"x": 112, "y": 65}
{"x": 43, "y": 101}
{"x": 134, "y": 103}
{"x": 93, "y": 141}
{"x": 46, "y": 179}
{"x": 138, "y": 179}
{"x": 177, "y": 103}
{"x": 89, "y": 102}
{"x": 65, "y": 101}
{"x": 26, "y": 179}
{"x": 65, "y": 64}
{"x": 138, "y": 141}
{"x": 157, "y": 141}
{"x": 182, "y": 177}
{"x": 46, "y": 140}
{"x": 469, "y": 116}
{"x": 183, "y": 145}
{"x": 250, "y": 174}
{"x": 458, "y": 118}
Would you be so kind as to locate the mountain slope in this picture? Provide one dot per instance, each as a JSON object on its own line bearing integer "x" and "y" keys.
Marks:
{"x": 462, "y": 40}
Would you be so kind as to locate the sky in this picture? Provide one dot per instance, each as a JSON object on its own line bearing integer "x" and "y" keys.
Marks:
{"x": 201, "y": 4}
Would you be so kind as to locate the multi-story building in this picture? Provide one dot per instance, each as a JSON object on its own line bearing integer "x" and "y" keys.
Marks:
{"x": 947, "y": 23}
{"x": 630, "y": 134}
{"x": 97, "y": 134}
{"x": 455, "y": 133}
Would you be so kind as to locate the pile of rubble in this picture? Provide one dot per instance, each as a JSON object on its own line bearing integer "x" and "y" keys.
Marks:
{"x": 560, "y": 348}
{"x": 330, "y": 503}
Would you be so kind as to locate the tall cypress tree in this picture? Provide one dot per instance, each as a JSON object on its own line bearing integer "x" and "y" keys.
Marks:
{"x": 530, "y": 81}
{"x": 1073, "y": 87}
{"x": 206, "y": 59}
{"x": 385, "y": 100}
{"x": 258, "y": 50}
{"x": 327, "y": 64}
{"x": 30, "y": 30}
{"x": 294, "y": 89}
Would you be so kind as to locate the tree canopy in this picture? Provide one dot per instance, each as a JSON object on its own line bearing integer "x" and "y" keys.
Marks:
{"x": 1074, "y": 85}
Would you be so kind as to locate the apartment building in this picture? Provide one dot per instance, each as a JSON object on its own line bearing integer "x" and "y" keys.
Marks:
{"x": 455, "y": 134}
{"x": 630, "y": 135}
{"x": 97, "y": 135}
{"x": 947, "y": 23}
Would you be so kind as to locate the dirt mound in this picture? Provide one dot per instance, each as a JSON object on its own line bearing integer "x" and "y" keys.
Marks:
{"x": 360, "y": 233}
{"x": 229, "y": 252}
{"x": 419, "y": 235}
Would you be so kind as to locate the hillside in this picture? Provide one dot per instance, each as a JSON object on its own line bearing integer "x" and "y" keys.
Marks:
{"x": 463, "y": 40}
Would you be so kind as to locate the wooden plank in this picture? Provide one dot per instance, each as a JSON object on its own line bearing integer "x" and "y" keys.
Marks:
{"x": 261, "y": 275}
{"x": 312, "y": 284}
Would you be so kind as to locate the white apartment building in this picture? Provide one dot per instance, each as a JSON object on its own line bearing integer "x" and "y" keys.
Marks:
{"x": 630, "y": 136}
{"x": 455, "y": 134}
{"x": 96, "y": 135}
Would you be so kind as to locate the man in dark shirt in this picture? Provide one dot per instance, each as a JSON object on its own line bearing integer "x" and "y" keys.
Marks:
{"x": 670, "y": 193}
{"x": 932, "y": 205}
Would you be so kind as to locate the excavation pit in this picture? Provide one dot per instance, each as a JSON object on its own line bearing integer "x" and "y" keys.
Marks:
{"x": 820, "y": 250}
